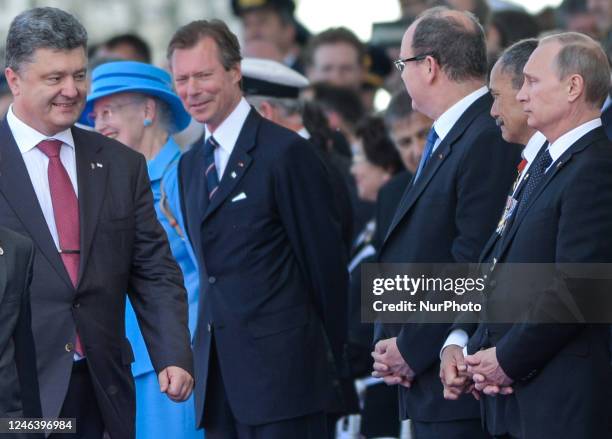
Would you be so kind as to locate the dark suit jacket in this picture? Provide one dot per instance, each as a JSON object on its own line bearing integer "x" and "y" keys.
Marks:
{"x": 387, "y": 202}
{"x": 606, "y": 120}
{"x": 19, "y": 395}
{"x": 447, "y": 217}
{"x": 123, "y": 248}
{"x": 273, "y": 275}
{"x": 562, "y": 374}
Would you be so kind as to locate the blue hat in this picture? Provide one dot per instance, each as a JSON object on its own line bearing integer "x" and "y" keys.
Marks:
{"x": 135, "y": 77}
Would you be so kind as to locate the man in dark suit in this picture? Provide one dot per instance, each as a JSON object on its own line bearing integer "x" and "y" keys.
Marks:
{"x": 449, "y": 208}
{"x": 553, "y": 380}
{"x": 19, "y": 396}
{"x": 258, "y": 207}
{"x": 91, "y": 248}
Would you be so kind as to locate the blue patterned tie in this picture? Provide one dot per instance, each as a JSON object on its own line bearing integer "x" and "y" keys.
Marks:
{"x": 212, "y": 178}
{"x": 432, "y": 137}
{"x": 536, "y": 174}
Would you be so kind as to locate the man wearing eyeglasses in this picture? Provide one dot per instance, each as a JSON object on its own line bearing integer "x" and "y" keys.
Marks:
{"x": 449, "y": 208}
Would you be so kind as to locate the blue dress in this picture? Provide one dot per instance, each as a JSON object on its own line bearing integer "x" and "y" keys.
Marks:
{"x": 157, "y": 417}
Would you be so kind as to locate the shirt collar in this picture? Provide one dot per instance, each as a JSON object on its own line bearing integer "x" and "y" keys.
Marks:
{"x": 27, "y": 138}
{"x": 160, "y": 163}
{"x": 533, "y": 146}
{"x": 563, "y": 143}
{"x": 227, "y": 133}
{"x": 449, "y": 118}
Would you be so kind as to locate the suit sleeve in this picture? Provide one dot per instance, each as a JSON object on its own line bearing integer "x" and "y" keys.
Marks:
{"x": 156, "y": 288}
{"x": 585, "y": 218}
{"x": 25, "y": 353}
{"x": 482, "y": 181}
{"x": 304, "y": 198}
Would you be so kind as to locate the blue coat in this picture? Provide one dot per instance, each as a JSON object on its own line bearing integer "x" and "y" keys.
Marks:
{"x": 156, "y": 415}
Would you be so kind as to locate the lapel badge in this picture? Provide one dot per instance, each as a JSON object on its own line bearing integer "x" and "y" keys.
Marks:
{"x": 99, "y": 165}
{"x": 440, "y": 156}
{"x": 233, "y": 174}
{"x": 92, "y": 166}
{"x": 241, "y": 164}
{"x": 1, "y": 251}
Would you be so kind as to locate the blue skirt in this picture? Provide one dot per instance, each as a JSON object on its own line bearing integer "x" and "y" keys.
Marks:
{"x": 157, "y": 417}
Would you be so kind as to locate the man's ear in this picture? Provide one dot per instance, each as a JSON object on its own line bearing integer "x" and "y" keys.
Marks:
{"x": 13, "y": 80}
{"x": 575, "y": 87}
{"x": 236, "y": 72}
{"x": 433, "y": 68}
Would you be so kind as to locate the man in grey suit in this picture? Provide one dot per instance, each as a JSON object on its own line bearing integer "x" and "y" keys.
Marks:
{"x": 85, "y": 201}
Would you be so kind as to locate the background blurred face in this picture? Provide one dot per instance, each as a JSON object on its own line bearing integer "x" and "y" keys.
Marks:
{"x": 409, "y": 136}
{"x": 121, "y": 117}
{"x": 507, "y": 111}
{"x": 543, "y": 95}
{"x": 337, "y": 64}
{"x": 368, "y": 177}
{"x": 266, "y": 24}
{"x": 208, "y": 92}
{"x": 602, "y": 10}
{"x": 49, "y": 92}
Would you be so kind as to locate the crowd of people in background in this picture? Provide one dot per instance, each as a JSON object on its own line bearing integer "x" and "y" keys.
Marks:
{"x": 270, "y": 176}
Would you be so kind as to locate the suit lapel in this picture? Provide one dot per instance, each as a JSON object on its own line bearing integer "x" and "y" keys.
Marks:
{"x": 92, "y": 172}
{"x": 17, "y": 188}
{"x": 238, "y": 163}
{"x": 414, "y": 190}
{"x": 581, "y": 144}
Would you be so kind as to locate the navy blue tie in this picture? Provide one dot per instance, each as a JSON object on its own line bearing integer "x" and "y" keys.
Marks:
{"x": 210, "y": 170}
{"x": 432, "y": 137}
{"x": 536, "y": 174}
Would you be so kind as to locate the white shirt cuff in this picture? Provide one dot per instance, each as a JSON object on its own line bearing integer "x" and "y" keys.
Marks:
{"x": 457, "y": 337}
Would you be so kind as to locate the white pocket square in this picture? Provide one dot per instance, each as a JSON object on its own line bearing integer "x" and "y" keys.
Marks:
{"x": 240, "y": 196}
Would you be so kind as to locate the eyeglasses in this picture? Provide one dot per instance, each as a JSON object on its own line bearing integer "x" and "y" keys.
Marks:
{"x": 108, "y": 112}
{"x": 401, "y": 63}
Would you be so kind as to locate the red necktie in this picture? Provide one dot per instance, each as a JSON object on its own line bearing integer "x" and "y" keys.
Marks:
{"x": 66, "y": 214}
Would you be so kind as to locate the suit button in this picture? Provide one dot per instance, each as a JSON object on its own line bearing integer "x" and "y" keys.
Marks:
{"x": 69, "y": 347}
{"x": 76, "y": 305}
{"x": 212, "y": 280}
{"x": 493, "y": 283}
{"x": 112, "y": 390}
{"x": 209, "y": 327}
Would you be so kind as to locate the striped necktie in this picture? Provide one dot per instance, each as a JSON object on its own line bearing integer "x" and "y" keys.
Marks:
{"x": 212, "y": 178}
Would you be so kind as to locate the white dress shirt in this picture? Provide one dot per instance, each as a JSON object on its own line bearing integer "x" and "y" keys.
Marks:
{"x": 449, "y": 118}
{"x": 227, "y": 134}
{"x": 36, "y": 162}
{"x": 458, "y": 336}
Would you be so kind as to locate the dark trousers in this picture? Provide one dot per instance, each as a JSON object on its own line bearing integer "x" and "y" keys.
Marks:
{"x": 81, "y": 404}
{"x": 220, "y": 423}
{"x": 466, "y": 429}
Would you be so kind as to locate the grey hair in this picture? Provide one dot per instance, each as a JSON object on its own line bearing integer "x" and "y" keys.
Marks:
{"x": 582, "y": 55}
{"x": 514, "y": 58}
{"x": 460, "y": 51}
{"x": 288, "y": 106}
{"x": 42, "y": 28}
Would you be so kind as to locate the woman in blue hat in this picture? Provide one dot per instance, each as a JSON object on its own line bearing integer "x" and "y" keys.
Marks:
{"x": 134, "y": 103}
